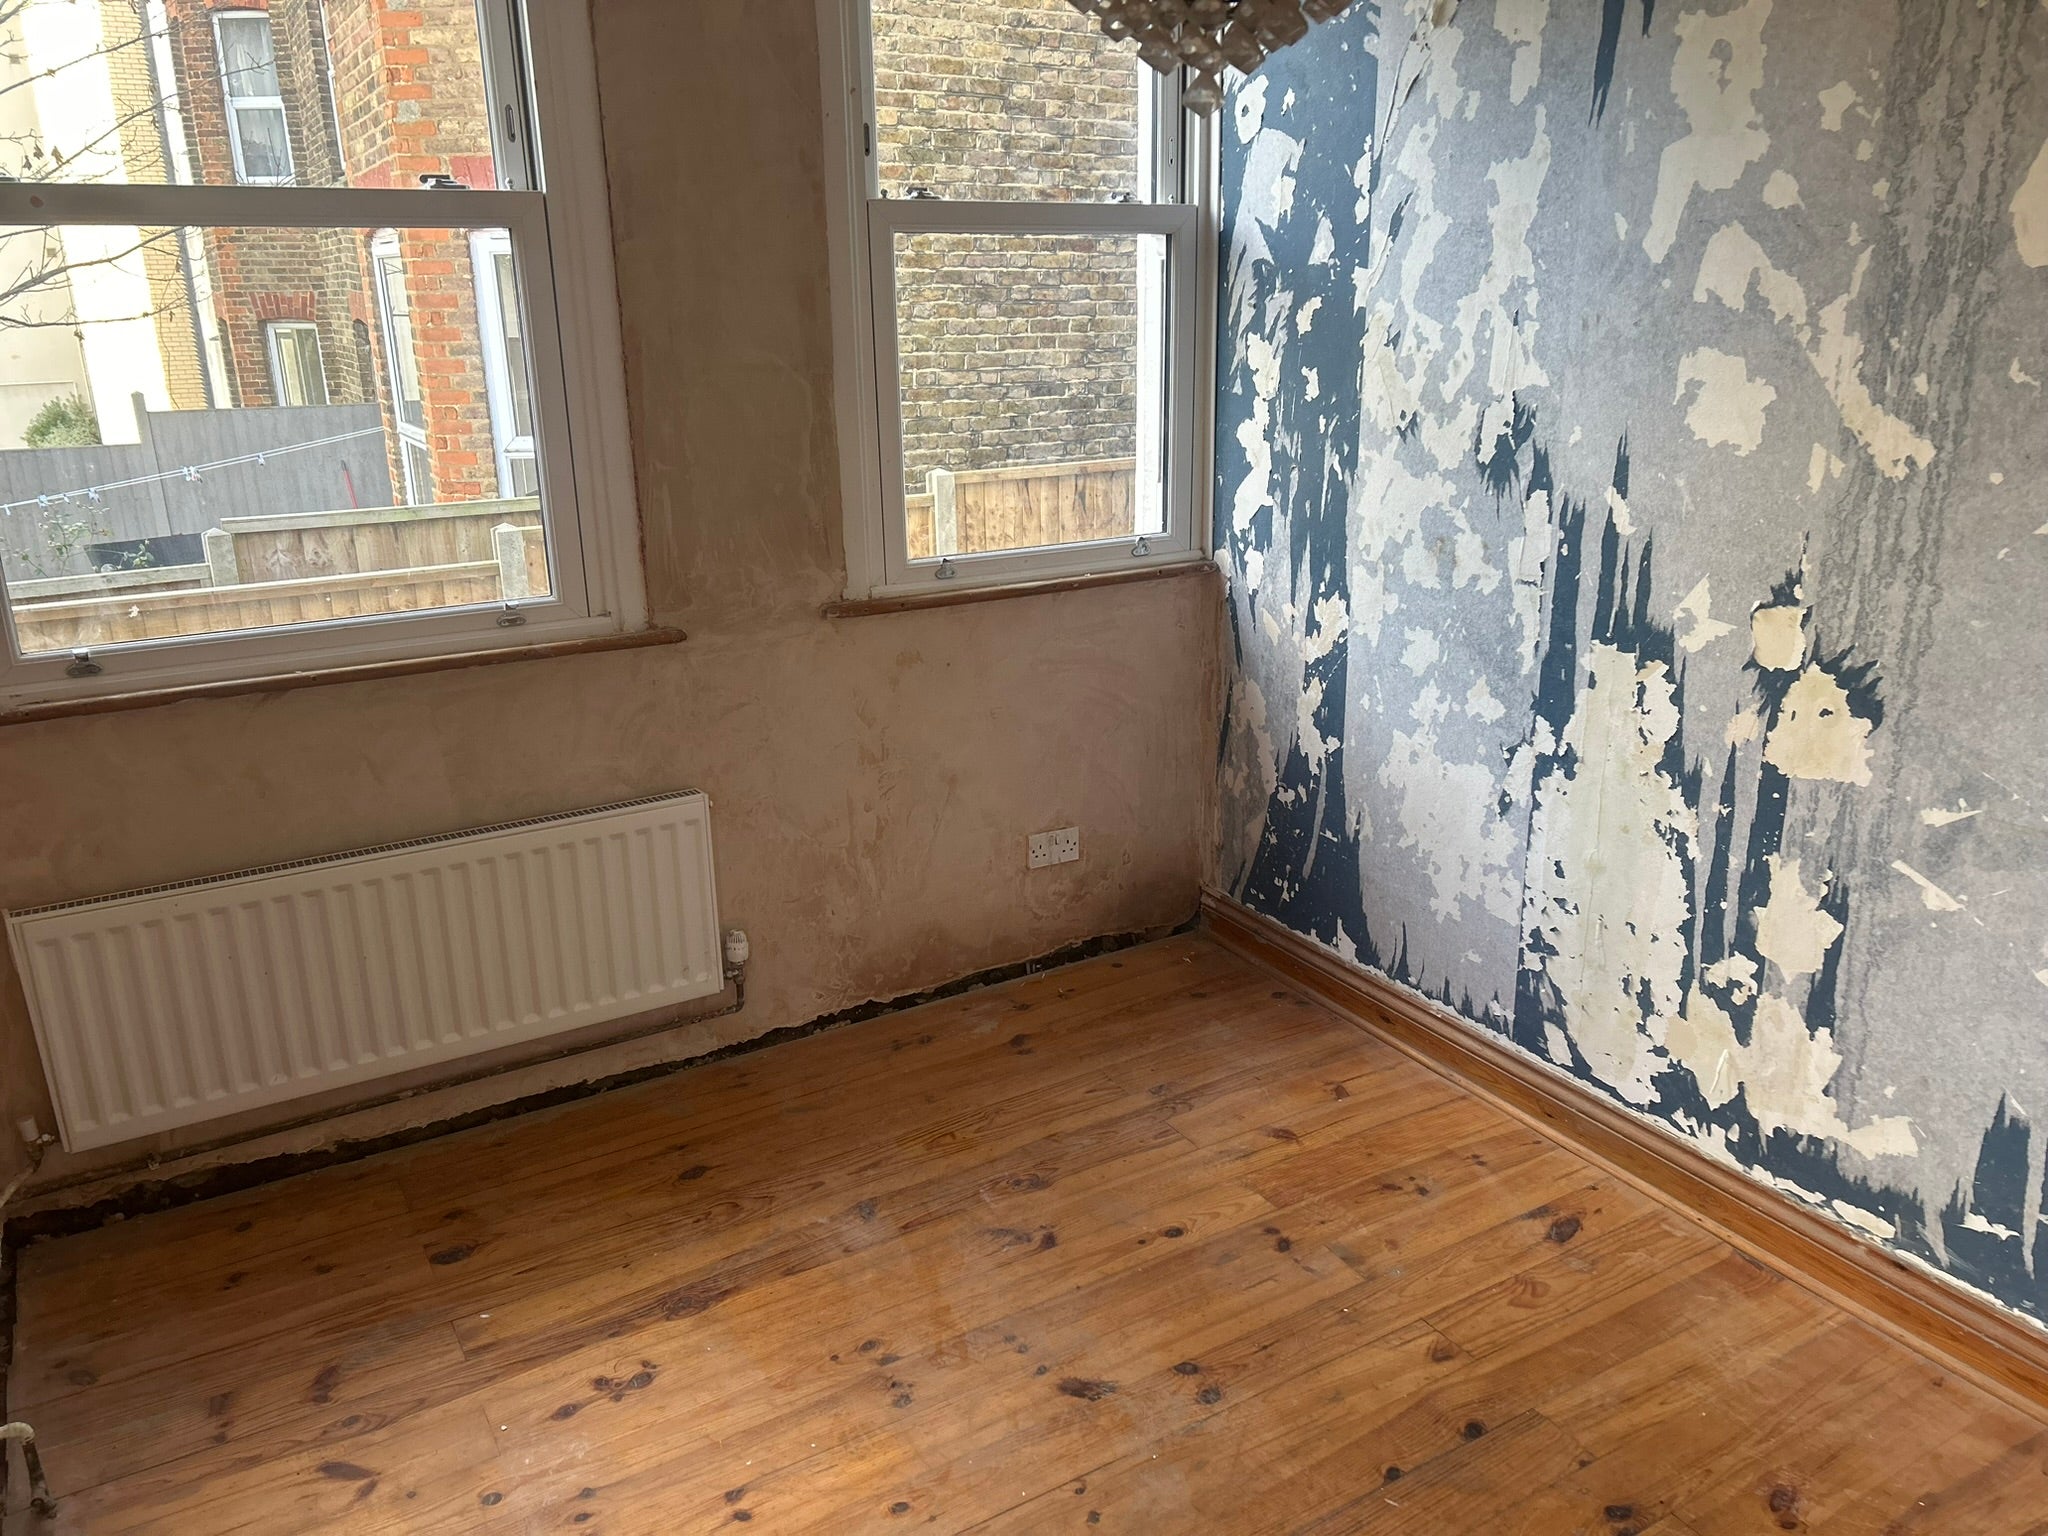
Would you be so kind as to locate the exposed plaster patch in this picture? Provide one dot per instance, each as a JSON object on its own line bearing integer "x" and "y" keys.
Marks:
{"x": 1932, "y": 896}
{"x": 1783, "y": 1072}
{"x": 1513, "y": 365}
{"x": 1447, "y": 819}
{"x": 1777, "y": 638}
{"x": 1526, "y": 556}
{"x": 1521, "y": 23}
{"x": 1324, "y": 248}
{"x": 1695, "y": 614}
{"x": 1729, "y": 407}
{"x": 1617, "y": 507}
{"x": 1836, "y": 100}
{"x": 1793, "y": 931}
{"x": 1781, "y": 191}
{"x": 1608, "y": 892}
{"x": 1838, "y": 354}
{"x": 1330, "y": 622}
{"x": 1480, "y": 703}
{"x": 1715, "y": 76}
{"x": 1745, "y": 727}
{"x": 1423, "y": 652}
{"x": 1820, "y": 467}
{"x": 2030, "y": 213}
{"x": 1734, "y": 974}
{"x": 1867, "y": 1221}
{"x": 2020, "y": 375}
{"x": 1817, "y": 735}
{"x": 1936, "y": 816}
{"x": 1248, "y": 108}
{"x": 1733, "y": 261}
{"x": 1314, "y": 745}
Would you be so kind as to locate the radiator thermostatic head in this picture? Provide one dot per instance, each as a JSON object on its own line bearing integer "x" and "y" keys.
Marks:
{"x": 737, "y": 949}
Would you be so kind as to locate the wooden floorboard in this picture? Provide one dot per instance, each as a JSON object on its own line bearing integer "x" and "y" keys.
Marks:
{"x": 1148, "y": 1244}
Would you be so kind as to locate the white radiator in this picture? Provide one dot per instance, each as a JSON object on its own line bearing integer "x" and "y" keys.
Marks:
{"x": 166, "y": 1007}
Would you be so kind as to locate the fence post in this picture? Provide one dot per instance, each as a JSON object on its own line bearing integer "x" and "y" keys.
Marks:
{"x": 945, "y": 514}
{"x": 539, "y": 580}
{"x": 508, "y": 548}
{"x": 145, "y": 435}
{"x": 220, "y": 558}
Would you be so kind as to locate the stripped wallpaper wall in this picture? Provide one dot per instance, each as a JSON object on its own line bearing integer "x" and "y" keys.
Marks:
{"x": 1632, "y": 434}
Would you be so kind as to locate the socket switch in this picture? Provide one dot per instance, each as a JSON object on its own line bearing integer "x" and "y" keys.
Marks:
{"x": 1061, "y": 846}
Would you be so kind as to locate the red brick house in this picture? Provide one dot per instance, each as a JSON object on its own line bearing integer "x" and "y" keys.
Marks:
{"x": 364, "y": 93}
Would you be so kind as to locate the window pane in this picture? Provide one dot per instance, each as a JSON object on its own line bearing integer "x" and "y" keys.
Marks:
{"x": 373, "y": 487}
{"x": 328, "y": 92}
{"x": 1031, "y": 376}
{"x": 1022, "y": 99}
{"x": 296, "y": 356}
{"x": 247, "y": 62}
{"x": 266, "y": 149}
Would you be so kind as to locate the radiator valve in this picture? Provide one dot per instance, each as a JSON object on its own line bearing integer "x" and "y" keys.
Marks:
{"x": 737, "y": 950}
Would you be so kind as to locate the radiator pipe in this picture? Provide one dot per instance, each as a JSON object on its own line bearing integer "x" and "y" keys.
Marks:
{"x": 39, "y": 1498}
{"x": 36, "y": 1149}
{"x": 735, "y": 971}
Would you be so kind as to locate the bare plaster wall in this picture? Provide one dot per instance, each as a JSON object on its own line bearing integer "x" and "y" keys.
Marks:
{"x": 872, "y": 779}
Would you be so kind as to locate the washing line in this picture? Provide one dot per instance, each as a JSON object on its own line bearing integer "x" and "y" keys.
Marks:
{"x": 93, "y": 493}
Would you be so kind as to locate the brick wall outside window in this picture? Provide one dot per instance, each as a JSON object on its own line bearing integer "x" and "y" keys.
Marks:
{"x": 1014, "y": 350}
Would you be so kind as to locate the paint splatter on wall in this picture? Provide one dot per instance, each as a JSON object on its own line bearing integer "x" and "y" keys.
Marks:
{"x": 1630, "y": 427}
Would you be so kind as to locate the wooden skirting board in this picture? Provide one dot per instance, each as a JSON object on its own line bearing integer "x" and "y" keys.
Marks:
{"x": 1992, "y": 1347}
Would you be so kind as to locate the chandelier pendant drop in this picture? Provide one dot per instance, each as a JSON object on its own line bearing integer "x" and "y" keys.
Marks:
{"x": 1202, "y": 36}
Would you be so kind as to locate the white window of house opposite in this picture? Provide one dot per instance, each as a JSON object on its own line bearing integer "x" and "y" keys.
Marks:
{"x": 1019, "y": 243}
{"x": 297, "y": 374}
{"x": 309, "y": 348}
{"x": 258, "y": 133}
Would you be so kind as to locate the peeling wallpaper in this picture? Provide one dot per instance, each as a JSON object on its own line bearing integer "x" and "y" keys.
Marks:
{"x": 1631, "y": 428}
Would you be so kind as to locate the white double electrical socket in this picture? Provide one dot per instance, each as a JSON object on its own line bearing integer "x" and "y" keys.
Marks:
{"x": 1060, "y": 846}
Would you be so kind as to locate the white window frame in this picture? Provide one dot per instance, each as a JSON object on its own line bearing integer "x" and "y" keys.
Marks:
{"x": 236, "y": 106}
{"x": 508, "y": 443}
{"x": 273, "y": 343}
{"x": 862, "y": 227}
{"x": 561, "y": 238}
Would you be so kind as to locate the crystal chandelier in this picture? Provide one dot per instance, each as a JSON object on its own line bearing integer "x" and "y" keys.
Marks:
{"x": 1204, "y": 35}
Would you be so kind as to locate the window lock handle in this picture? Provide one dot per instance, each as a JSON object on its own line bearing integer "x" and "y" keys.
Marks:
{"x": 922, "y": 194}
{"x": 437, "y": 181}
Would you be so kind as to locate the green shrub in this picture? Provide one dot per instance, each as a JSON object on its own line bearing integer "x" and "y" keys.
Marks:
{"x": 68, "y": 421}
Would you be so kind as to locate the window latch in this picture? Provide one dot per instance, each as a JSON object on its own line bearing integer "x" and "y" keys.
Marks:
{"x": 945, "y": 572}
{"x": 511, "y": 618}
{"x": 1123, "y": 197}
{"x": 1140, "y": 549}
{"x": 436, "y": 181}
{"x": 922, "y": 194}
{"x": 82, "y": 665}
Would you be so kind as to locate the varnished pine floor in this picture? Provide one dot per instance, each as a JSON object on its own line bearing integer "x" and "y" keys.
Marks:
{"x": 1147, "y": 1245}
